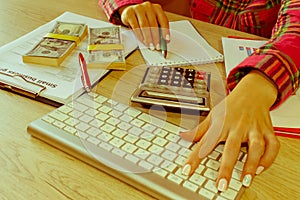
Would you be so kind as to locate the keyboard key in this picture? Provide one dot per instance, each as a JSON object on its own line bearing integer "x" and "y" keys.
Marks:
{"x": 141, "y": 153}
{"x": 129, "y": 148}
{"x": 48, "y": 119}
{"x": 93, "y": 140}
{"x": 116, "y": 142}
{"x": 170, "y": 155}
{"x": 169, "y": 166}
{"x": 118, "y": 152}
{"x": 144, "y": 144}
{"x": 190, "y": 186}
{"x": 70, "y": 129}
{"x": 197, "y": 179}
{"x": 160, "y": 172}
{"x": 229, "y": 194}
{"x": 59, "y": 115}
{"x": 206, "y": 193}
{"x": 93, "y": 131}
{"x": 213, "y": 164}
{"x": 130, "y": 157}
{"x": 154, "y": 159}
{"x": 146, "y": 165}
{"x": 160, "y": 141}
{"x": 211, "y": 186}
{"x": 175, "y": 178}
{"x": 212, "y": 174}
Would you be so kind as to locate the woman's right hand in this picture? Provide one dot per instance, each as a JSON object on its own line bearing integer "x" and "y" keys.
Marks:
{"x": 144, "y": 19}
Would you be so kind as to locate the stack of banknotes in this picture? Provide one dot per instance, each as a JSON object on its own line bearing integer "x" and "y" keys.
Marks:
{"x": 57, "y": 44}
{"x": 106, "y": 48}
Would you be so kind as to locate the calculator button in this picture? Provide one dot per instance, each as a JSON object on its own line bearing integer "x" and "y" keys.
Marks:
{"x": 175, "y": 83}
{"x": 179, "y": 69}
{"x": 163, "y": 82}
{"x": 200, "y": 77}
{"x": 187, "y": 84}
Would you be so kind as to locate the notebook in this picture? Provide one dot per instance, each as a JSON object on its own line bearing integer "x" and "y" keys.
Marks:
{"x": 286, "y": 117}
{"x": 53, "y": 85}
{"x": 186, "y": 47}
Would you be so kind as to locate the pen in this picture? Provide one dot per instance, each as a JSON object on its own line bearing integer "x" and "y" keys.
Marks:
{"x": 84, "y": 74}
{"x": 163, "y": 44}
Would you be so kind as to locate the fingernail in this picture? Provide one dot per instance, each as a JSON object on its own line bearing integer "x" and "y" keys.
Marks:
{"x": 222, "y": 185}
{"x": 247, "y": 180}
{"x": 182, "y": 132}
{"x": 157, "y": 47}
{"x": 168, "y": 37}
{"x": 186, "y": 170}
{"x": 151, "y": 46}
{"x": 259, "y": 170}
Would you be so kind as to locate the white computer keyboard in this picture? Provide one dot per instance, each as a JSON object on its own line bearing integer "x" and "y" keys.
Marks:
{"x": 138, "y": 148}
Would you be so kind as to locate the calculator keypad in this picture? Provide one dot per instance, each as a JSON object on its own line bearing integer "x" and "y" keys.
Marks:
{"x": 176, "y": 87}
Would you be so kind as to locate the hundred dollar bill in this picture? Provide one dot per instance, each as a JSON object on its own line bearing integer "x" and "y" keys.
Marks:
{"x": 105, "y": 48}
{"x": 71, "y": 29}
{"x": 57, "y": 44}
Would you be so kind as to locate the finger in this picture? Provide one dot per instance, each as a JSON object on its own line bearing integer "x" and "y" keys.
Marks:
{"x": 145, "y": 28}
{"x": 229, "y": 157}
{"x": 271, "y": 152}
{"x": 206, "y": 144}
{"x": 192, "y": 162}
{"x": 163, "y": 22}
{"x": 256, "y": 149}
{"x": 215, "y": 133}
{"x": 136, "y": 29}
{"x": 153, "y": 29}
{"x": 129, "y": 18}
{"x": 196, "y": 134}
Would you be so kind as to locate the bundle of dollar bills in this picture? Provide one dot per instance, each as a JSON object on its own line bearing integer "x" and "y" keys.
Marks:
{"x": 105, "y": 48}
{"x": 57, "y": 44}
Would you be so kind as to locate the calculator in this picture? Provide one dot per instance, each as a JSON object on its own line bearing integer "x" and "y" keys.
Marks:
{"x": 175, "y": 87}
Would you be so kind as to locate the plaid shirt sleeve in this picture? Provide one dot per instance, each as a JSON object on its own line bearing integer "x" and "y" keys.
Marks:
{"x": 279, "y": 58}
{"x": 111, "y": 7}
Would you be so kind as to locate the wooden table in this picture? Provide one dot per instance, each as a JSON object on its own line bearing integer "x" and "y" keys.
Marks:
{"x": 31, "y": 169}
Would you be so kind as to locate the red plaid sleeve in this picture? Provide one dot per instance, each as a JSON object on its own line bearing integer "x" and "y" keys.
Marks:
{"x": 111, "y": 7}
{"x": 279, "y": 59}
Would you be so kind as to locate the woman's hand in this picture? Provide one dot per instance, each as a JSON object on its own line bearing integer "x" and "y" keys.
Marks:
{"x": 242, "y": 117}
{"x": 144, "y": 19}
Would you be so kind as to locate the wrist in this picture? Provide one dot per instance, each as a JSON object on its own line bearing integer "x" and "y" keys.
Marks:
{"x": 257, "y": 88}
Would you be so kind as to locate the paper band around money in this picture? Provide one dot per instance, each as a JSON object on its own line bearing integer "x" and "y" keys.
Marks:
{"x": 63, "y": 37}
{"x": 105, "y": 47}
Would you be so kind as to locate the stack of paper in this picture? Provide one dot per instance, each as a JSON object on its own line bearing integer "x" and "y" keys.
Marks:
{"x": 286, "y": 117}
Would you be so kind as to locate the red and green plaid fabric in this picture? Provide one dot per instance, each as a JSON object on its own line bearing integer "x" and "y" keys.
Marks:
{"x": 278, "y": 20}
{"x": 253, "y": 16}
